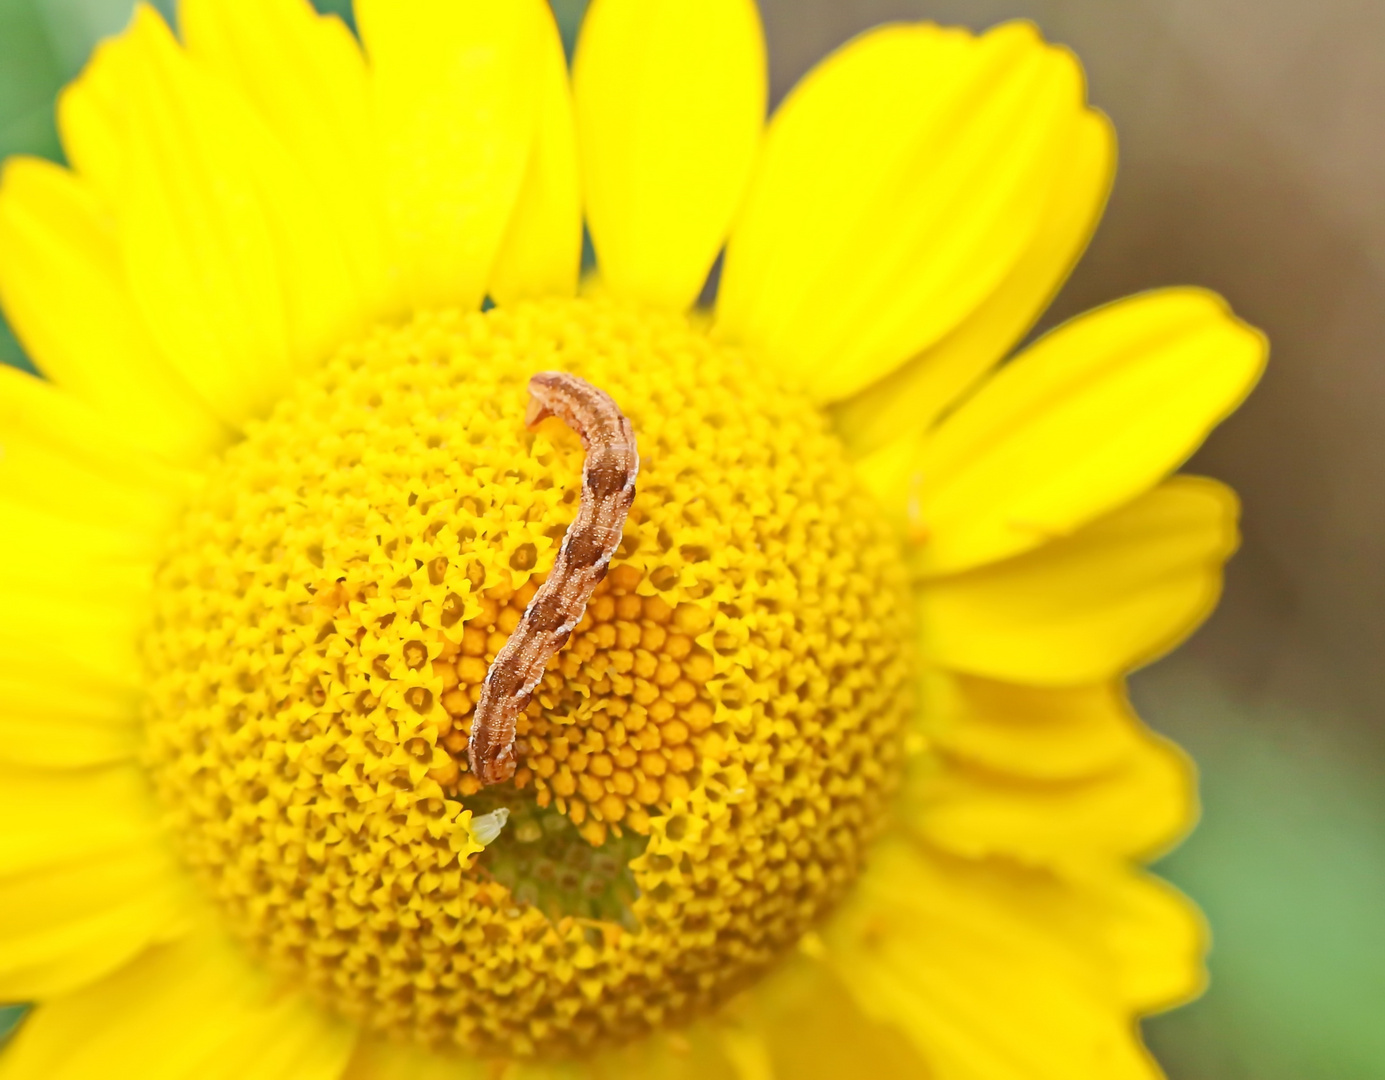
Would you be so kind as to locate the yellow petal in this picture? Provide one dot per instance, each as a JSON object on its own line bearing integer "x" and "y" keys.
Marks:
{"x": 58, "y": 255}
{"x": 64, "y": 457}
{"x": 86, "y": 879}
{"x": 74, "y": 705}
{"x": 380, "y": 1059}
{"x": 103, "y": 672}
{"x": 83, "y": 511}
{"x": 1117, "y": 594}
{"x": 996, "y": 972}
{"x": 75, "y": 574}
{"x": 811, "y": 1026}
{"x": 67, "y": 925}
{"x": 1157, "y": 936}
{"x": 900, "y": 184}
{"x": 694, "y": 1053}
{"x": 745, "y": 1047}
{"x": 65, "y": 663}
{"x": 1091, "y": 416}
{"x": 90, "y": 116}
{"x": 456, "y": 106}
{"x": 912, "y": 397}
{"x": 306, "y": 78}
{"x": 1137, "y": 807}
{"x": 55, "y": 818}
{"x": 71, "y": 639}
{"x": 1048, "y": 733}
{"x": 47, "y": 721}
{"x": 670, "y": 99}
{"x": 228, "y": 252}
{"x": 193, "y": 1008}
{"x": 542, "y": 250}
{"x": 75, "y": 595}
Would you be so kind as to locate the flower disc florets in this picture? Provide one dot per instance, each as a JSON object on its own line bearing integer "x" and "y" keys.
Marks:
{"x": 699, "y": 768}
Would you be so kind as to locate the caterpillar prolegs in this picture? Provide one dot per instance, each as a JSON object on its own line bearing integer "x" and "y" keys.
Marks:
{"x": 608, "y": 488}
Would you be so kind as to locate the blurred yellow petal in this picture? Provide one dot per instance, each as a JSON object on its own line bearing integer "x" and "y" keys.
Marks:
{"x": 231, "y": 259}
{"x": 64, "y": 457}
{"x": 68, "y": 925}
{"x": 811, "y": 1026}
{"x": 1091, "y": 416}
{"x": 96, "y": 655}
{"x": 59, "y": 255}
{"x": 996, "y": 972}
{"x": 456, "y": 105}
{"x": 1157, "y": 937}
{"x": 1050, "y": 733}
{"x": 1056, "y": 776}
{"x": 1137, "y": 807}
{"x": 83, "y": 508}
{"x": 380, "y": 1059}
{"x": 306, "y": 78}
{"x": 47, "y": 721}
{"x": 77, "y": 550}
{"x": 196, "y": 1008}
{"x": 59, "y": 817}
{"x": 694, "y": 1053}
{"x": 744, "y": 1046}
{"x": 900, "y": 184}
{"x": 542, "y": 250}
{"x": 75, "y": 595}
{"x": 86, "y": 880}
{"x": 670, "y": 100}
{"x": 911, "y": 398}
{"x": 90, "y": 115}
{"x": 1085, "y": 608}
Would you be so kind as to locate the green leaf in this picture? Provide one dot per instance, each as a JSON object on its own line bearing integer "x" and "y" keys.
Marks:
{"x": 10, "y": 1016}
{"x": 569, "y": 14}
{"x": 29, "y": 77}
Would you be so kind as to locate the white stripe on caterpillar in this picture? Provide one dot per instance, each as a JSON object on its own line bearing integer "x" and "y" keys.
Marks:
{"x": 608, "y": 489}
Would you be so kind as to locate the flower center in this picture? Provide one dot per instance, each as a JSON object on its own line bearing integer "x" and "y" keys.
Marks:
{"x": 699, "y": 768}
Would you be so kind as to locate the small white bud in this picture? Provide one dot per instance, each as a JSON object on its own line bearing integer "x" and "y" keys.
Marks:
{"x": 487, "y": 827}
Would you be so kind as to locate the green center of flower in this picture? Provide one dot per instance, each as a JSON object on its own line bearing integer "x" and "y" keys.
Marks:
{"x": 699, "y": 768}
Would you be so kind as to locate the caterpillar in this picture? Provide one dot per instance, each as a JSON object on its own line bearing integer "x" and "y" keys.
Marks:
{"x": 608, "y": 488}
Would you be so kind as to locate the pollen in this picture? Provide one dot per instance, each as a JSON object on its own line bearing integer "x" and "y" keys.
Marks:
{"x": 699, "y": 770}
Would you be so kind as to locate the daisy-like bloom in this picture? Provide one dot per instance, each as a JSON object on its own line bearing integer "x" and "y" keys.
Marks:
{"x": 836, "y": 776}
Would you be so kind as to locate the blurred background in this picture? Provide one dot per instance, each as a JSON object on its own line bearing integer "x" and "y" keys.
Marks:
{"x": 1253, "y": 162}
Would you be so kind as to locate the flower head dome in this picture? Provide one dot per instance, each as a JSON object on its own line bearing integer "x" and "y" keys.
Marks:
{"x": 835, "y": 774}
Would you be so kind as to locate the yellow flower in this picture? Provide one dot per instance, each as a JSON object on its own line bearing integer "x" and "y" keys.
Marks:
{"x": 836, "y": 777}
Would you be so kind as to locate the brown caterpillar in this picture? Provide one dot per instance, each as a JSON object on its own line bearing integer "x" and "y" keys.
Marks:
{"x": 608, "y": 489}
